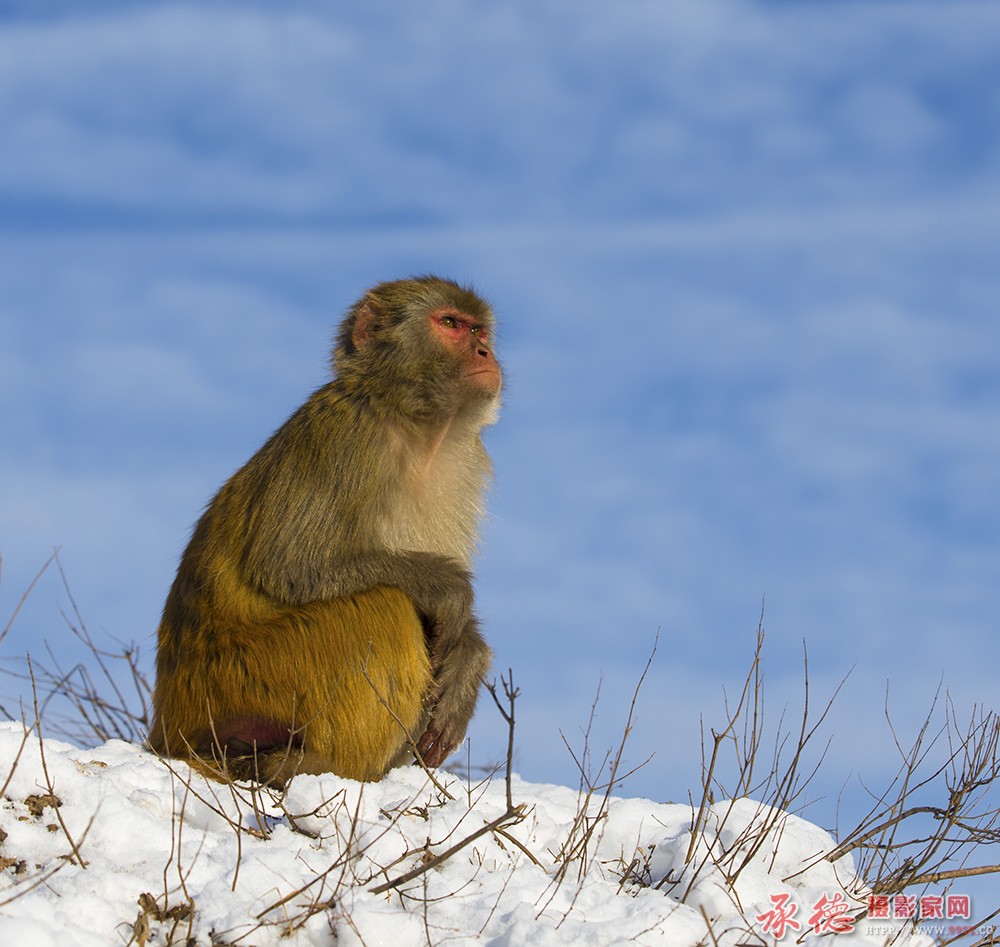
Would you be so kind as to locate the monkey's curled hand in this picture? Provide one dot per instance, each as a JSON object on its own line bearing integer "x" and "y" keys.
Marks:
{"x": 459, "y": 664}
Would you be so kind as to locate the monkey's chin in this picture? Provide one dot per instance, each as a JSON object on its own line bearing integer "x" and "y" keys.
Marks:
{"x": 486, "y": 380}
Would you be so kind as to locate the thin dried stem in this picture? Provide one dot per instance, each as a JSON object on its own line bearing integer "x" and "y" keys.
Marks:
{"x": 511, "y": 815}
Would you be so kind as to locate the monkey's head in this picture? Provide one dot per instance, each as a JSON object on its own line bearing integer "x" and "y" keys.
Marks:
{"x": 422, "y": 347}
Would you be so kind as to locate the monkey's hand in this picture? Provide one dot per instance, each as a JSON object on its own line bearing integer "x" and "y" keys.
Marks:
{"x": 459, "y": 664}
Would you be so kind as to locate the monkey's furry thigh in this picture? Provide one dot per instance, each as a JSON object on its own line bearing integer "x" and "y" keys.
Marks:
{"x": 336, "y": 686}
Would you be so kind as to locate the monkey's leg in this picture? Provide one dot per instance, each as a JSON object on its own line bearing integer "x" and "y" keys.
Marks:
{"x": 336, "y": 686}
{"x": 363, "y": 704}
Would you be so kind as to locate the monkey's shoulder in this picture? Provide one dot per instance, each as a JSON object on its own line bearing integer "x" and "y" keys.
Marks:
{"x": 328, "y": 413}
{"x": 330, "y": 429}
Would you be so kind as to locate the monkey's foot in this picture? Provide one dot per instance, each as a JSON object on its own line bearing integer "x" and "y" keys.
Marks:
{"x": 434, "y": 748}
{"x": 243, "y": 736}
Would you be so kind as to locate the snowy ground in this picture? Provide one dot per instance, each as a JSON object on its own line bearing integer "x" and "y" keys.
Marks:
{"x": 165, "y": 859}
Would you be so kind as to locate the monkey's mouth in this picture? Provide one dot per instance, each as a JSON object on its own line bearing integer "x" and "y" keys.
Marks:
{"x": 486, "y": 380}
{"x": 489, "y": 371}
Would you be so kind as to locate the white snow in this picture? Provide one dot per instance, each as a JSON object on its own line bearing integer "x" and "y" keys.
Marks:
{"x": 302, "y": 871}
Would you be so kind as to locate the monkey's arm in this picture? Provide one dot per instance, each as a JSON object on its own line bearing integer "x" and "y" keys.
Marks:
{"x": 307, "y": 510}
{"x": 439, "y": 587}
{"x": 441, "y": 591}
{"x": 459, "y": 665}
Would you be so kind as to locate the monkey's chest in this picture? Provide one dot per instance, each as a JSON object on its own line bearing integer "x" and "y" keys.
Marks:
{"x": 435, "y": 512}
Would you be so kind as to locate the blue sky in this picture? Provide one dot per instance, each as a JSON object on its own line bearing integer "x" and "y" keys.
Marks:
{"x": 744, "y": 257}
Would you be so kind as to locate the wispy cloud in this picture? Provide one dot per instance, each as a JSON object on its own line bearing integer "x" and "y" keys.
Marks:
{"x": 443, "y": 112}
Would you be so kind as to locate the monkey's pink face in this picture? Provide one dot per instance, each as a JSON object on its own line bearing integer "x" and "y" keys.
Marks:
{"x": 470, "y": 345}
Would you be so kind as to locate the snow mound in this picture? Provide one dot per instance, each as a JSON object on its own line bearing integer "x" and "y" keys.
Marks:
{"x": 162, "y": 855}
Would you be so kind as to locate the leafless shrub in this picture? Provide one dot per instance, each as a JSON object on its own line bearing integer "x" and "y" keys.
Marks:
{"x": 28, "y": 882}
{"x": 151, "y": 914}
{"x": 777, "y": 789}
{"x": 932, "y": 822}
{"x": 511, "y": 815}
{"x": 593, "y": 798}
{"x": 103, "y": 696}
{"x": 169, "y": 917}
{"x": 38, "y": 803}
{"x": 908, "y": 839}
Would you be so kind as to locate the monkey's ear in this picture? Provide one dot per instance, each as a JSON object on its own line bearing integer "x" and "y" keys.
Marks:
{"x": 366, "y": 323}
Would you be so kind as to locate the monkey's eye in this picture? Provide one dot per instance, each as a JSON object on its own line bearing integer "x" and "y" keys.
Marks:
{"x": 479, "y": 332}
{"x": 449, "y": 322}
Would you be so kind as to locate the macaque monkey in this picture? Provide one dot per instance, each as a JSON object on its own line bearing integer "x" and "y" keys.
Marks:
{"x": 321, "y": 618}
